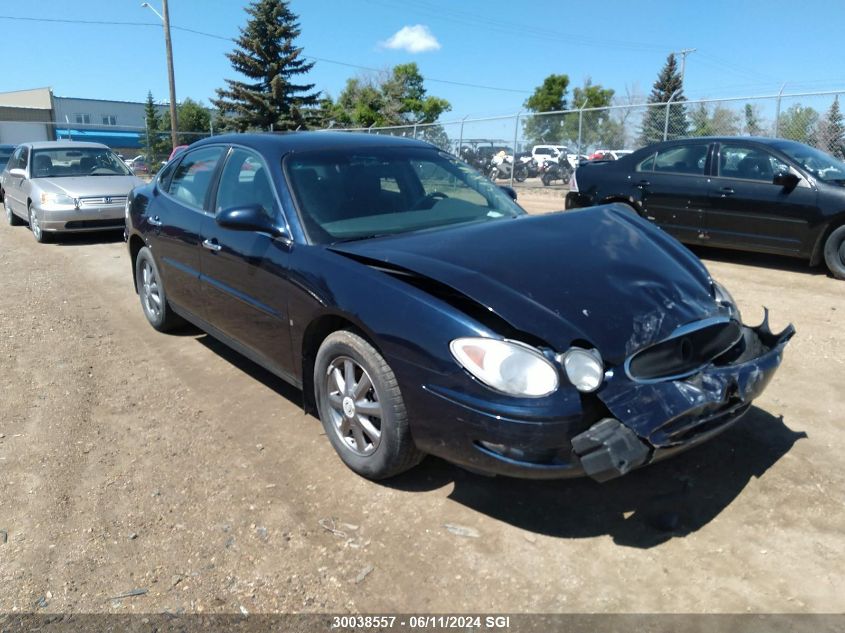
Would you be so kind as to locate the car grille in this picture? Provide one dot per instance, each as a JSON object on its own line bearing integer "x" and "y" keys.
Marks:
{"x": 102, "y": 201}
{"x": 118, "y": 223}
{"x": 686, "y": 352}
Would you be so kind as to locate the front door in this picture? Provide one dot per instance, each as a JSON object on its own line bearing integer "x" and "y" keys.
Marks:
{"x": 15, "y": 196}
{"x": 673, "y": 189}
{"x": 747, "y": 210}
{"x": 245, "y": 273}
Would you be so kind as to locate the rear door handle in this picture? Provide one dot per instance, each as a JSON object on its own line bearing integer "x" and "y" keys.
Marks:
{"x": 726, "y": 191}
{"x": 211, "y": 245}
{"x": 154, "y": 221}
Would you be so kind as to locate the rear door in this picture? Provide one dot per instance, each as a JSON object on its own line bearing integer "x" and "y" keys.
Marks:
{"x": 673, "y": 188}
{"x": 748, "y": 211}
{"x": 176, "y": 217}
{"x": 245, "y": 273}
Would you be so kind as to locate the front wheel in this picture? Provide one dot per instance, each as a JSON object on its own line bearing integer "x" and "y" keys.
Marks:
{"x": 494, "y": 174}
{"x": 35, "y": 226}
{"x": 361, "y": 407}
{"x": 151, "y": 291}
{"x": 547, "y": 180}
{"x": 834, "y": 252}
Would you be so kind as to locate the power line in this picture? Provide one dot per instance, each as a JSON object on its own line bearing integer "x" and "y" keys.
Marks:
{"x": 229, "y": 39}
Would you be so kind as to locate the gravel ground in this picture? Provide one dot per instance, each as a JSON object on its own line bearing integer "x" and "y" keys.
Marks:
{"x": 143, "y": 473}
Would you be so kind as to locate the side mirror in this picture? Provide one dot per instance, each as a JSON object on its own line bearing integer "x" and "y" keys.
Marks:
{"x": 17, "y": 172}
{"x": 786, "y": 179}
{"x": 250, "y": 217}
{"x": 508, "y": 190}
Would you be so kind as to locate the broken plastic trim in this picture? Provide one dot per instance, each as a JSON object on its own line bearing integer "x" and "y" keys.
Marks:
{"x": 609, "y": 449}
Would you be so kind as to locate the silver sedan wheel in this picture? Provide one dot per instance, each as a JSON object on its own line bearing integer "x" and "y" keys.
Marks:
{"x": 355, "y": 410}
{"x": 150, "y": 291}
{"x": 9, "y": 215}
{"x": 34, "y": 224}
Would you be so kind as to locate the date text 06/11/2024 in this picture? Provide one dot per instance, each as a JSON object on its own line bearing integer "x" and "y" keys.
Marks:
{"x": 421, "y": 621}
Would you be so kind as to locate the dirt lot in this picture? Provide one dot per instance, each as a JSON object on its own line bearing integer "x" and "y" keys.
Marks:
{"x": 132, "y": 460}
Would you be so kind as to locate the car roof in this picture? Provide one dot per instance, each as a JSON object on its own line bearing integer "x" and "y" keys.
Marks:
{"x": 65, "y": 145}
{"x": 307, "y": 141}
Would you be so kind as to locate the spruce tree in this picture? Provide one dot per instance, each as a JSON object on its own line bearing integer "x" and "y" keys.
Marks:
{"x": 668, "y": 83}
{"x": 155, "y": 140}
{"x": 834, "y": 130}
{"x": 268, "y": 57}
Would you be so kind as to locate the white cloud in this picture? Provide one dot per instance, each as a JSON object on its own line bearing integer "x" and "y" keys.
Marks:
{"x": 414, "y": 39}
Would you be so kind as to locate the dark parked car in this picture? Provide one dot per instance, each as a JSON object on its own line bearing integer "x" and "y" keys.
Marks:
{"x": 422, "y": 311}
{"x": 757, "y": 194}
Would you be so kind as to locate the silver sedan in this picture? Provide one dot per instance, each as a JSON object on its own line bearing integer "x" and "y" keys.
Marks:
{"x": 65, "y": 186}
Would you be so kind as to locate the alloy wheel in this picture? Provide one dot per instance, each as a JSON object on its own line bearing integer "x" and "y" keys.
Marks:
{"x": 150, "y": 291}
{"x": 356, "y": 413}
{"x": 34, "y": 225}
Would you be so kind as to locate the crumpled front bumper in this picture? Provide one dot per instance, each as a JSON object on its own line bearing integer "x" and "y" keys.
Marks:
{"x": 655, "y": 420}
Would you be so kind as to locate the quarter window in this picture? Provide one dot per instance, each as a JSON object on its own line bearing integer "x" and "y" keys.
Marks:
{"x": 748, "y": 163}
{"x": 682, "y": 159}
{"x": 245, "y": 182}
{"x": 192, "y": 178}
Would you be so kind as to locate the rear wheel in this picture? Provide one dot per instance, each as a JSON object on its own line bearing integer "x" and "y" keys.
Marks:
{"x": 151, "y": 291}
{"x": 361, "y": 407}
{"x": 11, "y": 218}
{"x": 834, "y": 252}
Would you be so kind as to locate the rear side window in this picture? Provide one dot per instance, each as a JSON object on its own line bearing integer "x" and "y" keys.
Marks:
{"x": 192, "y": 177}
{"x": 683, "y": 159}
{"x": 748, "y": 163}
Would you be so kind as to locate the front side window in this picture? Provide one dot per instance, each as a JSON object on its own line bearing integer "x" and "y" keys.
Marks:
{"x": 61, "y": 162}
{"x": 192, "y": 179}
{"x": 823, "y": 166}
{"x": 245, "y": 182}
{"x": 748, "y": 163}
{"x": 15, "y": 160}
{"x": 348, "y": 195}
{"x": 682, "y": 159}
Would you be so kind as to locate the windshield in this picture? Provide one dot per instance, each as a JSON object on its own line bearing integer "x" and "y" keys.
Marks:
{"x": 61, "y": 162}
{"x": 348, "y": 195}
{"x": 823, "y": 166}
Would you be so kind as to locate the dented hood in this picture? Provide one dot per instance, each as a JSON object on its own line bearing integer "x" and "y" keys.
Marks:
{"x": 601, "y": 275}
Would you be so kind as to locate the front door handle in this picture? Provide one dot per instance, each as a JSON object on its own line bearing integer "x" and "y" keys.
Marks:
{"x": 726, "y": 191}
{"x": 642, "y": 184}
{"x": 211, "y": 245}
{"x": 155, "y": 221}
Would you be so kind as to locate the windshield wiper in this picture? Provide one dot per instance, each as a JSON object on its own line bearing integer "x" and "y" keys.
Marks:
{"x": 358, "y": 238}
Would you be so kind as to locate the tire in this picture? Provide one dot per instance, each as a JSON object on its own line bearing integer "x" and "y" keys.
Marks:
{"x": 151, "y": 292}
{"x": 35, "y": 226}
{"x": 546, "y": 180}
{"x": 520, "y": 175}
{"x": 494, "y": 174}
{"x": 349, "y": 374}
{"x": 11, "y": 218}
{"x": 834, "y": 252}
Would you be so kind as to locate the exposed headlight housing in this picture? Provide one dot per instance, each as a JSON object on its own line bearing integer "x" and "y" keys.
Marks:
{"x": 510, "y": 367}
{"x": 584, "y": 368}
{"x": 724, "y": 298}
{"x": 57, "y": 199}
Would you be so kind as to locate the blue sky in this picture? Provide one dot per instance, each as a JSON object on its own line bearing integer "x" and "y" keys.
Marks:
{"x": 744, "y": 47}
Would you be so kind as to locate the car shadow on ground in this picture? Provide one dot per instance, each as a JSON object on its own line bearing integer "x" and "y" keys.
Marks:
{"x": 645, "y": 508}
{"x": 758, "y": 260}
{"x": 87, "y": 239}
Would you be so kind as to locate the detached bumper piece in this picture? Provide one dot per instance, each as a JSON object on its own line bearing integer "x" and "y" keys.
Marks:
{"x": 609, "y": 449}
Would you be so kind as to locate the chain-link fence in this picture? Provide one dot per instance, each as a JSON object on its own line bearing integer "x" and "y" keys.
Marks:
{"x": 813, "y": 118}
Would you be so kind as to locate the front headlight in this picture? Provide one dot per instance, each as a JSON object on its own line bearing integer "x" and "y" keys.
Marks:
{"x": 57, "y": 199}
{"x": 513, "y": 368}
{"x": 584, "y": 368}
{"x": 724, "y": 298}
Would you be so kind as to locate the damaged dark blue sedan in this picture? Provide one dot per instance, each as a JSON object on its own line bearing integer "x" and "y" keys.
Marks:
{"x": 422, "y": 311}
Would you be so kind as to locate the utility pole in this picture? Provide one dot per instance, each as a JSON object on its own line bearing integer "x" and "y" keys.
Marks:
{"x": 164, "y": 16}
{"x": 683, "y": 53}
